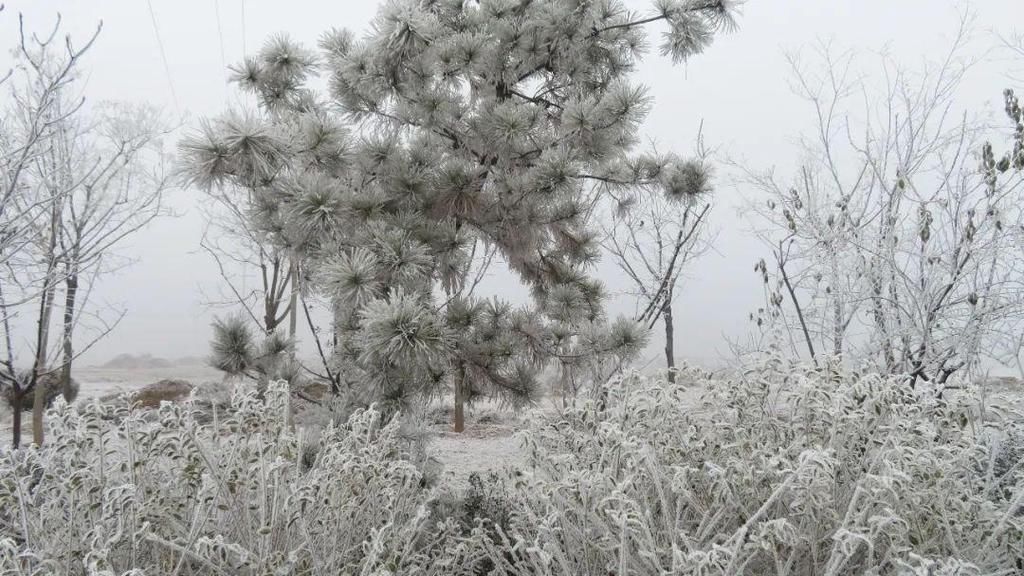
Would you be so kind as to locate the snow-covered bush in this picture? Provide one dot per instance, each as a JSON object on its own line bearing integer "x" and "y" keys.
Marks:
{"x": 781, "y": 471}
{"x": 51, "y": 383}
{"x": 111, "y": 493}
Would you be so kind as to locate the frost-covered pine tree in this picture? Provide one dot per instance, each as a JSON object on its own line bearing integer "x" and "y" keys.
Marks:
{"x": 498, "y": 123}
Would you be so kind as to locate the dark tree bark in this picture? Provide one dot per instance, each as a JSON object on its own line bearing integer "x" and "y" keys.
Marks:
{"x": 293, "y": 302}
{"x": 16, "y": 405}
{"x": 39, "y": 367}
{"x": 460, "y": 398}
{"x": 270, "y": 300}
{"x": 780, "y": 259}
{"x": 70, "y": 296}
{"x": 17, "y": 393}
{"x": 670, "y": 355}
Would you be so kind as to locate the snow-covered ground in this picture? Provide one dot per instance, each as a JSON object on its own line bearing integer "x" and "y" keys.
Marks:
{"x": 99, "y": 381}
{"x": 488, "y": 444}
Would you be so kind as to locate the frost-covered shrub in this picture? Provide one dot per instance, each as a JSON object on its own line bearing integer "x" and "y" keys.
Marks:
{"x": 778, "y": 472}
{"x": 781, "y": 471}
{"x": 107, "y": 495}
{"x": 1005, "y": 470}
{"x": 52, "y": 388}
{"x": 483, "y": 513}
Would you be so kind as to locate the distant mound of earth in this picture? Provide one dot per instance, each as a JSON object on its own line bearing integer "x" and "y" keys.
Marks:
{"x": 136, "y": 362}
{"x": 170, "y": 390}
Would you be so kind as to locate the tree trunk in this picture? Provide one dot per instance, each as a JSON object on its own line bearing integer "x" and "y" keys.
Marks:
{"x": 39, "y": 368}
{"x": 781, "y": 261}
{"x": 46, "y": 308}
{"x": 294, "y": 303}
{"x": 12, "y": 373}
{"x": 71, "y": 284}
{"x": 16, "y": 406}
{"x": 460, "y": 398}
{"x": 838, "y": 315}
{"x": 269, "y": 314}
{"x": 670, "y": 355}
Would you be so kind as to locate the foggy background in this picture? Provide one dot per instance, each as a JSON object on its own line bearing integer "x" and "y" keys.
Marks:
{"x": 174, "y": 54}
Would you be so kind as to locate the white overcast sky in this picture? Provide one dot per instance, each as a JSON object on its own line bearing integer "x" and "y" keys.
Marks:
{"x": 739, "y": 88}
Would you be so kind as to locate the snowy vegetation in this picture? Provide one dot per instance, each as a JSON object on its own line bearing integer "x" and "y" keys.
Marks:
{"x": 896, "y": 245}
{"x": 75, "y": 182}
{"x": 378, "y": 178}
{"x": 784, "y": 470}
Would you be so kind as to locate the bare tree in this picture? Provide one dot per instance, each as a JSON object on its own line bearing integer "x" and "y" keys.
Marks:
{"x": 1014, "y": 45}
{"x": 91, "y": 179}
{"x": 115, "y": 174}
{"x": 262, "y": 278}
{"x": 1001, "y": 173}
{"x": 240, "y": 253}
{"x": 652, "y": 238}
{"x": 38, "y": 108}
{"x": 890, "y": 245}
{"x": 652, "y": 245}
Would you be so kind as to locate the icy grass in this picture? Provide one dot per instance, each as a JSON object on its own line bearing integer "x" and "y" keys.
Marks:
{"x": 111, "y": 492}
{"x": 778, "y": 472}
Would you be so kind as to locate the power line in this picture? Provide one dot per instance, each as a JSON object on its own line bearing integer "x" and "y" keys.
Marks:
{"x": 163, "y": 55}
{"x": 223, "y": 59}
{"x": 244, "y": 49}
{"x": 220, "y": 33}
